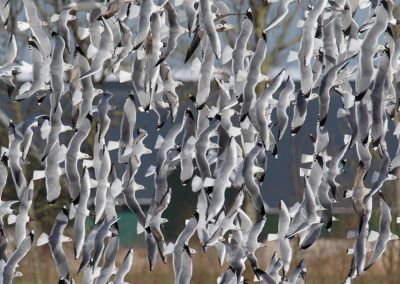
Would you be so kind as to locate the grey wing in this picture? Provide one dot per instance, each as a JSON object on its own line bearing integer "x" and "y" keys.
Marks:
{"x": 109, "y": 260}
{"x": 151, "y": 245}
{"x": 124, "y": 268}
{"x": 11, "y": 52}
{"x": 210, "y": 27}
{"x": 312, "y": 236}
{"x": 61, "y": 260}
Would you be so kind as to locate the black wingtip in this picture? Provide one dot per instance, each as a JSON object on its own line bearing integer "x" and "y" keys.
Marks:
{"x": 78, "y": 50}
{"x": 360, "y": 96}
{"x": 249, "y": 14}
{"x": 196, "y": 215}
{"x": 295, "y": 130}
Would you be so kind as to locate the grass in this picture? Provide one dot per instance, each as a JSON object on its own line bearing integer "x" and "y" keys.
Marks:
{"x": 326, "y": 263}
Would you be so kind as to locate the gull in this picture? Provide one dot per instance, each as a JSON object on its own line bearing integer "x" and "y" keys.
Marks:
{"x": 63, "y": 30}
{"x": 36, "y": 27}
{"x": 102, "y": 183}
{"x": 28, "y": 132}
{"x": 360, "y": 250}
{"x": 197, "y": 39}
{"x": 281, "y": 13}
{"x": 368, "y": 48}
{"x": 363, "y": 117}
{"x": 152, "y": 47}
{"x": 4, "y": 12}
{"x": 137, "y": 149}
{"x": 107, "y": 229}
{"x": 147, "y": 8}
{"x": 377, "y": 98}
{"x": 103, "y": 53}
{"x": 326, "y": 202}
{"x": 202, "y": 120}
{"x": 71, "y": 161}
{"x": 313, "y": 234}
{"x": 57, "y": 71}
{"x": 52, "y": 174}
{"x": 274, "y": 272}
{"x": 207, "y": 20}
{"x": 81, "y": 213}
{"x": 383, "y": 175}
{"x": 169, "y": 86}
{"x": 227, "y": 223}
{"x": 55, "y": 242}
{"x": 151, "y": 245}
{"x": 112, "y": 194}
{"x": 181, "y": 242}
{"x": 11, "y": 52}
{"x": 283, "y": 103}
{"x": 252, "y": 244}
{"x": 327, "y": 82}
{"x": 249, "y": 169}
{"x": 311, "y": 216}
{"x": 186, "y": 271}
{"x": 329, "y": 43}
{"x": 103, "y": 107}
{"x": 88, "y": 90}
{"x": 22, "y": 216}
{"x": 121, "y": 52}
{"x": 160, "y": 107}
{"x": 307, "y": 47}
{"x": 206, "y": 71}
{"x": 167, "y": 144}
{"x": 229, "y": 158}
{"x": 299, "y": 274}
{"x": 202, "y": 145}
{"x": 201, "y": 208}
{"x": 249, "y": 94}
{"x": 260, "y": 109}
{"x": 138, "y": 82}
{"x": 317, "y": 67}
{"x": 154, "y": 220}
{"x": 191, "y": 11}
{"x": 175, "y": 31}
{"x": 336, "y": 168}
{"x": 239, "y": 51}
{"x": 110, "y": 253}
{"x": 359, "y": 191}
{"x": 15, "y": 139}
{"x": 284, "y": 245}
{"x": 16, "y": 257}
{"x": 188, "y": 144}
{"x": 124, "y": 268}
{"x": 56, "y": 127}
{"x": 128, "y": 122}
{"x": 384, "y": 232}
{"x": 89, "y": 245}
{"x": 40, "y": 74}
{"x": 350, "y": 109}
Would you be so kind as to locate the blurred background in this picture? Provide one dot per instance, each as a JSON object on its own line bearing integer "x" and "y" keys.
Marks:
{"x": 326, "y": 260}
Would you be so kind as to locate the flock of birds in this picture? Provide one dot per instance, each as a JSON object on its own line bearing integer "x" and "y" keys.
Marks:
{"x": 230, "y": 140}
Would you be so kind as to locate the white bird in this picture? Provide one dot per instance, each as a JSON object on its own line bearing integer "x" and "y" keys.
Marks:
{"x": 16, "y": 257}
{"x": 22, "y": 216}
